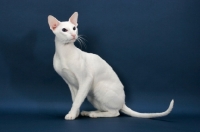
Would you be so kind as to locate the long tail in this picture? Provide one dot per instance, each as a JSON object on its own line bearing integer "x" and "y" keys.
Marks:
{"x": 132, "y": 113}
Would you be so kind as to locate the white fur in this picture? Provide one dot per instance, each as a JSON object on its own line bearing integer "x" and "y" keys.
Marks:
{"x": 89, "y": 76}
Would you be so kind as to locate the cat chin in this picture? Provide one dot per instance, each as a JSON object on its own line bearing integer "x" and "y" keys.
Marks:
{"x": 69, "y": 42}
{"x": 73, "y": 40}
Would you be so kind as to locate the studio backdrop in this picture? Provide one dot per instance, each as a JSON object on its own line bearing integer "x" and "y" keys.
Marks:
{"x": 154, "y": 47}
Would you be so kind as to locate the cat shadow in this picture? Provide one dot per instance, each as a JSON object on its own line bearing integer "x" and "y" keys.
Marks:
{"x": 161, "y": 119}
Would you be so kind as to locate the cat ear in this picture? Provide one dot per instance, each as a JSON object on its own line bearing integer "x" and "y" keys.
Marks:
{"x": 74, "y": 18}
{"x": 53, "y": 22}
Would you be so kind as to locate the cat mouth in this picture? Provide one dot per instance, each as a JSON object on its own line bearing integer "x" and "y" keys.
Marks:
{"x": 73, "y": 39}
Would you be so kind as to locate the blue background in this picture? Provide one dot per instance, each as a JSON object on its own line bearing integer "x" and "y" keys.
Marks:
{"x": 153, "y": 45}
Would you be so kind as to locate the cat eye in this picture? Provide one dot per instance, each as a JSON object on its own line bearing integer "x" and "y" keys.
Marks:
{"x": 74, "y": 28}
{"x": 64, "y": 30}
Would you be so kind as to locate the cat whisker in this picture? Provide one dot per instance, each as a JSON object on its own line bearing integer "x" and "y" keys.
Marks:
{"x": 81, "y": 41}
{"x": 82, "y": 38}
{"x": 84, "y": 41}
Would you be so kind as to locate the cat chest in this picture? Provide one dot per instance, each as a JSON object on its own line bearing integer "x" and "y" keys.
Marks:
{"x": 57, "y": 65}
{"x": 66, "y": 73}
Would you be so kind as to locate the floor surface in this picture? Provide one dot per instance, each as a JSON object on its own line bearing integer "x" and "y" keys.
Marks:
{"x": 40, "y": 122}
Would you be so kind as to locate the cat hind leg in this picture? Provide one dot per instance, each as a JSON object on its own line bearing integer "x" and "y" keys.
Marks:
{"x": 95, "y": 114}
{"x": 87, "y": 113}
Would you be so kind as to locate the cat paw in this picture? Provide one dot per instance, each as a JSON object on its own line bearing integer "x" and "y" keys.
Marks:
{"x": 93, "y": 115}
{"x": 85, "y": 113}
{"x": 70, "y": 116}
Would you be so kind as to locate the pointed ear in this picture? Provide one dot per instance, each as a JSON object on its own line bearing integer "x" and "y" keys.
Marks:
{"x": 74, "y": 18}
{"x": 53, "y": 22}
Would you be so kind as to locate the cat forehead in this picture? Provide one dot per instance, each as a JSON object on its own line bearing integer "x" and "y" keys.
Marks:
{"x": 66, "y": 24}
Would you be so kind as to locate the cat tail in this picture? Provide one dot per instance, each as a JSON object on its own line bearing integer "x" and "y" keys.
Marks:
{"x": 132, "y": 113}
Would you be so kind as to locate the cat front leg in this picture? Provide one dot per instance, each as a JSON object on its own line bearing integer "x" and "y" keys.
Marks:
{"x": 83, "y": 90}
{"x": 73, "y": 91}
{"x": 70, "y": 78}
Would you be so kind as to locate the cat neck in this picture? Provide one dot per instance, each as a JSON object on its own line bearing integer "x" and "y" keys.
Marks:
{"x": 65, "y": 50}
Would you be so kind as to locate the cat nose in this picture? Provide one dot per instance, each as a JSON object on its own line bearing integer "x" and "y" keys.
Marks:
{"x": 73, "y": 35}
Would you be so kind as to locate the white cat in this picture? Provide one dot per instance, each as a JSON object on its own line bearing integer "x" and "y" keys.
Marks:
{"x": 88, "y": 75}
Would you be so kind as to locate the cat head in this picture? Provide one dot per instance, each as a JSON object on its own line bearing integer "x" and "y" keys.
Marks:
{"x": 67, "y": 31}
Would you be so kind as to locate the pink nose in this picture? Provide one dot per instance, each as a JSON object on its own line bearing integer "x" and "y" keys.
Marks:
{"x": 73, "y": 35}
